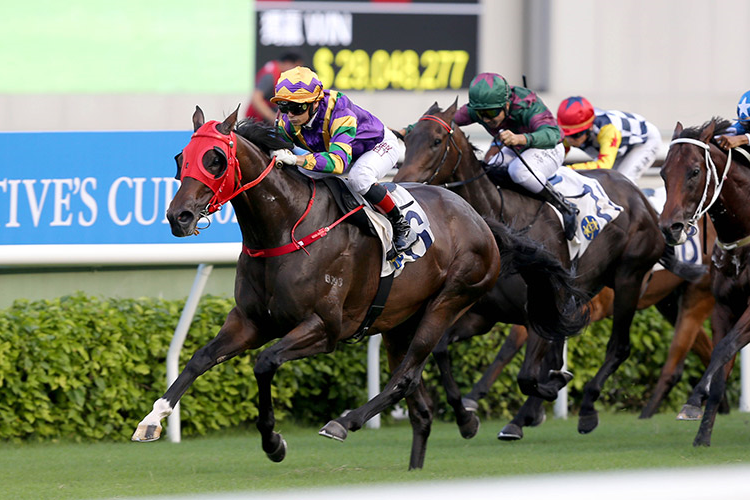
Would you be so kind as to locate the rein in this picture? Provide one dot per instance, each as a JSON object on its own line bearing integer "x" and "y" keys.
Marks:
{"x": 299, "y": 244}
{"x": 451, "y": 140}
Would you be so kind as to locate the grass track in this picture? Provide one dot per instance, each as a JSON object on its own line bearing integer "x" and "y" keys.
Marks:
{"x": 233, "y": 461}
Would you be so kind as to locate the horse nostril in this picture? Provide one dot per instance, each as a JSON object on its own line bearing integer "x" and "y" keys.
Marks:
{"x": 677, "y": 227}
{"x": 185, "y": 217}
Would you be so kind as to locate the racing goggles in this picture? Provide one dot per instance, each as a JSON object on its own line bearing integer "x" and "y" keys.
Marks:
{"x": 489, "y": 113}
{"x": 293, "y": 108}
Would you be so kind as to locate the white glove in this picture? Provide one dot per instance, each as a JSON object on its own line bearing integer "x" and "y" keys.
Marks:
{"x": 284, "y": 156}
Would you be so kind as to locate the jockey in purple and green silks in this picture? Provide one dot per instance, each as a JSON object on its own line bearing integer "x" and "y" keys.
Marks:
{"x": 341, "y": 138}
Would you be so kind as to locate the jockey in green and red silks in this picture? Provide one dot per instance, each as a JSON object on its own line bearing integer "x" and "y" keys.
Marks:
{"x": 340, "y": 138}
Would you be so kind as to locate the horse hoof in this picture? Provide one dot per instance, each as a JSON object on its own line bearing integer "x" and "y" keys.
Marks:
{"x": 587, "y": 423}
{"x": 333, "y": 430}
{"x": 146, "y": 433}
{"x": 470, "y": 404}
{"x": 280, "y": 452}
{"x": 510, "y": 432}
{"x": 470, "y": 429}
{"x": 690, "y": 412}
{"x": 563, "y": 375}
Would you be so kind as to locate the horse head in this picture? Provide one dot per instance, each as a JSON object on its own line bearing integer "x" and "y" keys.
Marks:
{"x": 208, "y": 169}
{"x": 687, "y": 174}
{"x": 433, "y": 150}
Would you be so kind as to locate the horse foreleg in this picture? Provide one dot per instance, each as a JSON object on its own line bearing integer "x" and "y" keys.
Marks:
{"x": 688, "y": 332}
{"x": 306, "y": 339}
{"x": 541, "y": 373}
{"x": 234, "y": 337}
{"x": 512, "y": 344}
{"x": 618, "y": 350}
{"x": 405, "y": 378}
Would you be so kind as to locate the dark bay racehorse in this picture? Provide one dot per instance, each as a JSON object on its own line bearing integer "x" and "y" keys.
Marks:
{"x": 684, "y": 304}
{"x": 619, "y": 258}
{"x": 312, "y": 294}
{"x": 703, "y": 178}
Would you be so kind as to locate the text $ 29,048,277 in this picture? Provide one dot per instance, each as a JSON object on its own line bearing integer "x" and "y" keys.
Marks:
{"x": 357, "y": 70}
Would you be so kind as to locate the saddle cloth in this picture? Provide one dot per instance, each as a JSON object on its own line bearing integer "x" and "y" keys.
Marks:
{"x": 595, "y": 208}
{"x": 418, "y": 220}
{"x": 379, "y": 225}
{"x": 690, "y": 251}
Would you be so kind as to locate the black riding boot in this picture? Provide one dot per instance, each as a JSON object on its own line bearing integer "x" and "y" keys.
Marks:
{"x": 568, "y": 211}
{"x": 403, "y": 235}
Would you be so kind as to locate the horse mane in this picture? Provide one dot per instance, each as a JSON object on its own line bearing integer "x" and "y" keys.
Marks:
{"x": 694, "y": 132}
{"x": 265, "y": 136}
{"x": 721, "y": 127}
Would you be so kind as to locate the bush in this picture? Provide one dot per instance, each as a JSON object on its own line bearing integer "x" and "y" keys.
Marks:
{"x": 88, "y": 368}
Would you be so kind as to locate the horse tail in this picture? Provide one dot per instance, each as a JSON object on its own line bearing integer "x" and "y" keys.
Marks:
{"x": 684, "y": 270}
{"x": 554, "y": 305}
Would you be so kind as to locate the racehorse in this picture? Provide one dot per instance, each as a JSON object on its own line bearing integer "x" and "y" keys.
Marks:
{"x": 311, "y": 294}
{"x": 684, "y": 304}
{"x": 702, "y": 178}
{"x": 619, "y": 257}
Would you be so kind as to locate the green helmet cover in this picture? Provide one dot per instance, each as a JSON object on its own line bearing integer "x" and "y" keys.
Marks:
{"x": 488, "y": 91}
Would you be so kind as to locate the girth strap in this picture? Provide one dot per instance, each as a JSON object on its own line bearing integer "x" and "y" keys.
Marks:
{"x": 377, "y": 306}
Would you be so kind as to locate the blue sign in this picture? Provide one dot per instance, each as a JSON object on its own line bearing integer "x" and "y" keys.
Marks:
{"x": 95, "y": 188}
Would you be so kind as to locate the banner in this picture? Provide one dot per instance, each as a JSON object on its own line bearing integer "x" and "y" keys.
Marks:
{"x": 95, "y": 188}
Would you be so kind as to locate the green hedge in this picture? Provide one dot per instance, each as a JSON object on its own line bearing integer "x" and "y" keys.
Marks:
{"x": 86, "y": 368}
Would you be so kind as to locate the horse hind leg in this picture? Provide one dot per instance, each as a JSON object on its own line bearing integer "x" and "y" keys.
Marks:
{"x": 468, "y": 422}
{"x": 512, "y": 344}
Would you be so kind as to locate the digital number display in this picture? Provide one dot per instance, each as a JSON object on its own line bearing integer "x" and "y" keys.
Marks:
{"x": 408, "y": 70}
{"x": 358, "y": 50}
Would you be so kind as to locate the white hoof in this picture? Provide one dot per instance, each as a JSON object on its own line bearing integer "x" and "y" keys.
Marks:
{"x": 146, "y": 433}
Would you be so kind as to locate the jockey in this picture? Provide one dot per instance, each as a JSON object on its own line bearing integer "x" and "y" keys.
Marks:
{"x": 625, "y": 142}
{"x": 520, "y": 124}
{"x": 342, "y": 138}
{"x": 738, "y": 133}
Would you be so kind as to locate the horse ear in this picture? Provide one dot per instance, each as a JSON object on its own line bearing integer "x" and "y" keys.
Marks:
{"x": 708, "y": 131}
{"x": 452, "y": 108}
{"x": 198, "y": 118}
{"x": 228, "y": 124}
{"x": 677, "y": 131}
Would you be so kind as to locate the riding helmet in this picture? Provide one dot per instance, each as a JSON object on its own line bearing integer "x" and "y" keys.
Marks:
{"x": 298, "y": 84}
{"x": 743, "y": 107}
{"x": 488, "y": 91}
{"x": 575, "y": 114}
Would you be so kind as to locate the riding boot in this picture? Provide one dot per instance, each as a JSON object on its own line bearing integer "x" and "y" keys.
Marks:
{"x": 403, "y": 235}
{"x": 566, "y": 209}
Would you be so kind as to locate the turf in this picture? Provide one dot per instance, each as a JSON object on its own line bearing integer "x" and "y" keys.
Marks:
{"x": 233, "y": 460}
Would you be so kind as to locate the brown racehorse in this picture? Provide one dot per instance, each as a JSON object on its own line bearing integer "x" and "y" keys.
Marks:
{"x": 318, "y": 293}
{"x": 694, "y": 303}
{"x": 619, "y": 258}
{"x": 702, "y": 178}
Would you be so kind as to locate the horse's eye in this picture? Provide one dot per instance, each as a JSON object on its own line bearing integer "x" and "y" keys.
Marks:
{"x": 437, "y": 142}
{"x": 695, "y": 173}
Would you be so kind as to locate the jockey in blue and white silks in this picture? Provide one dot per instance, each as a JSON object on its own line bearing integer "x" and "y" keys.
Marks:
{"x": 738, "y": 134}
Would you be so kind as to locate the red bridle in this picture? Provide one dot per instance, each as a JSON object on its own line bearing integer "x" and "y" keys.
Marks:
{"x": 229, "y": 184}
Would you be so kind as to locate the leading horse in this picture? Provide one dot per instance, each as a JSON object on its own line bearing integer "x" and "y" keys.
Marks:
{"x": 619, "y": 258}
{"x": 702, "y": 178}
{"x": 311, "y": 294}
